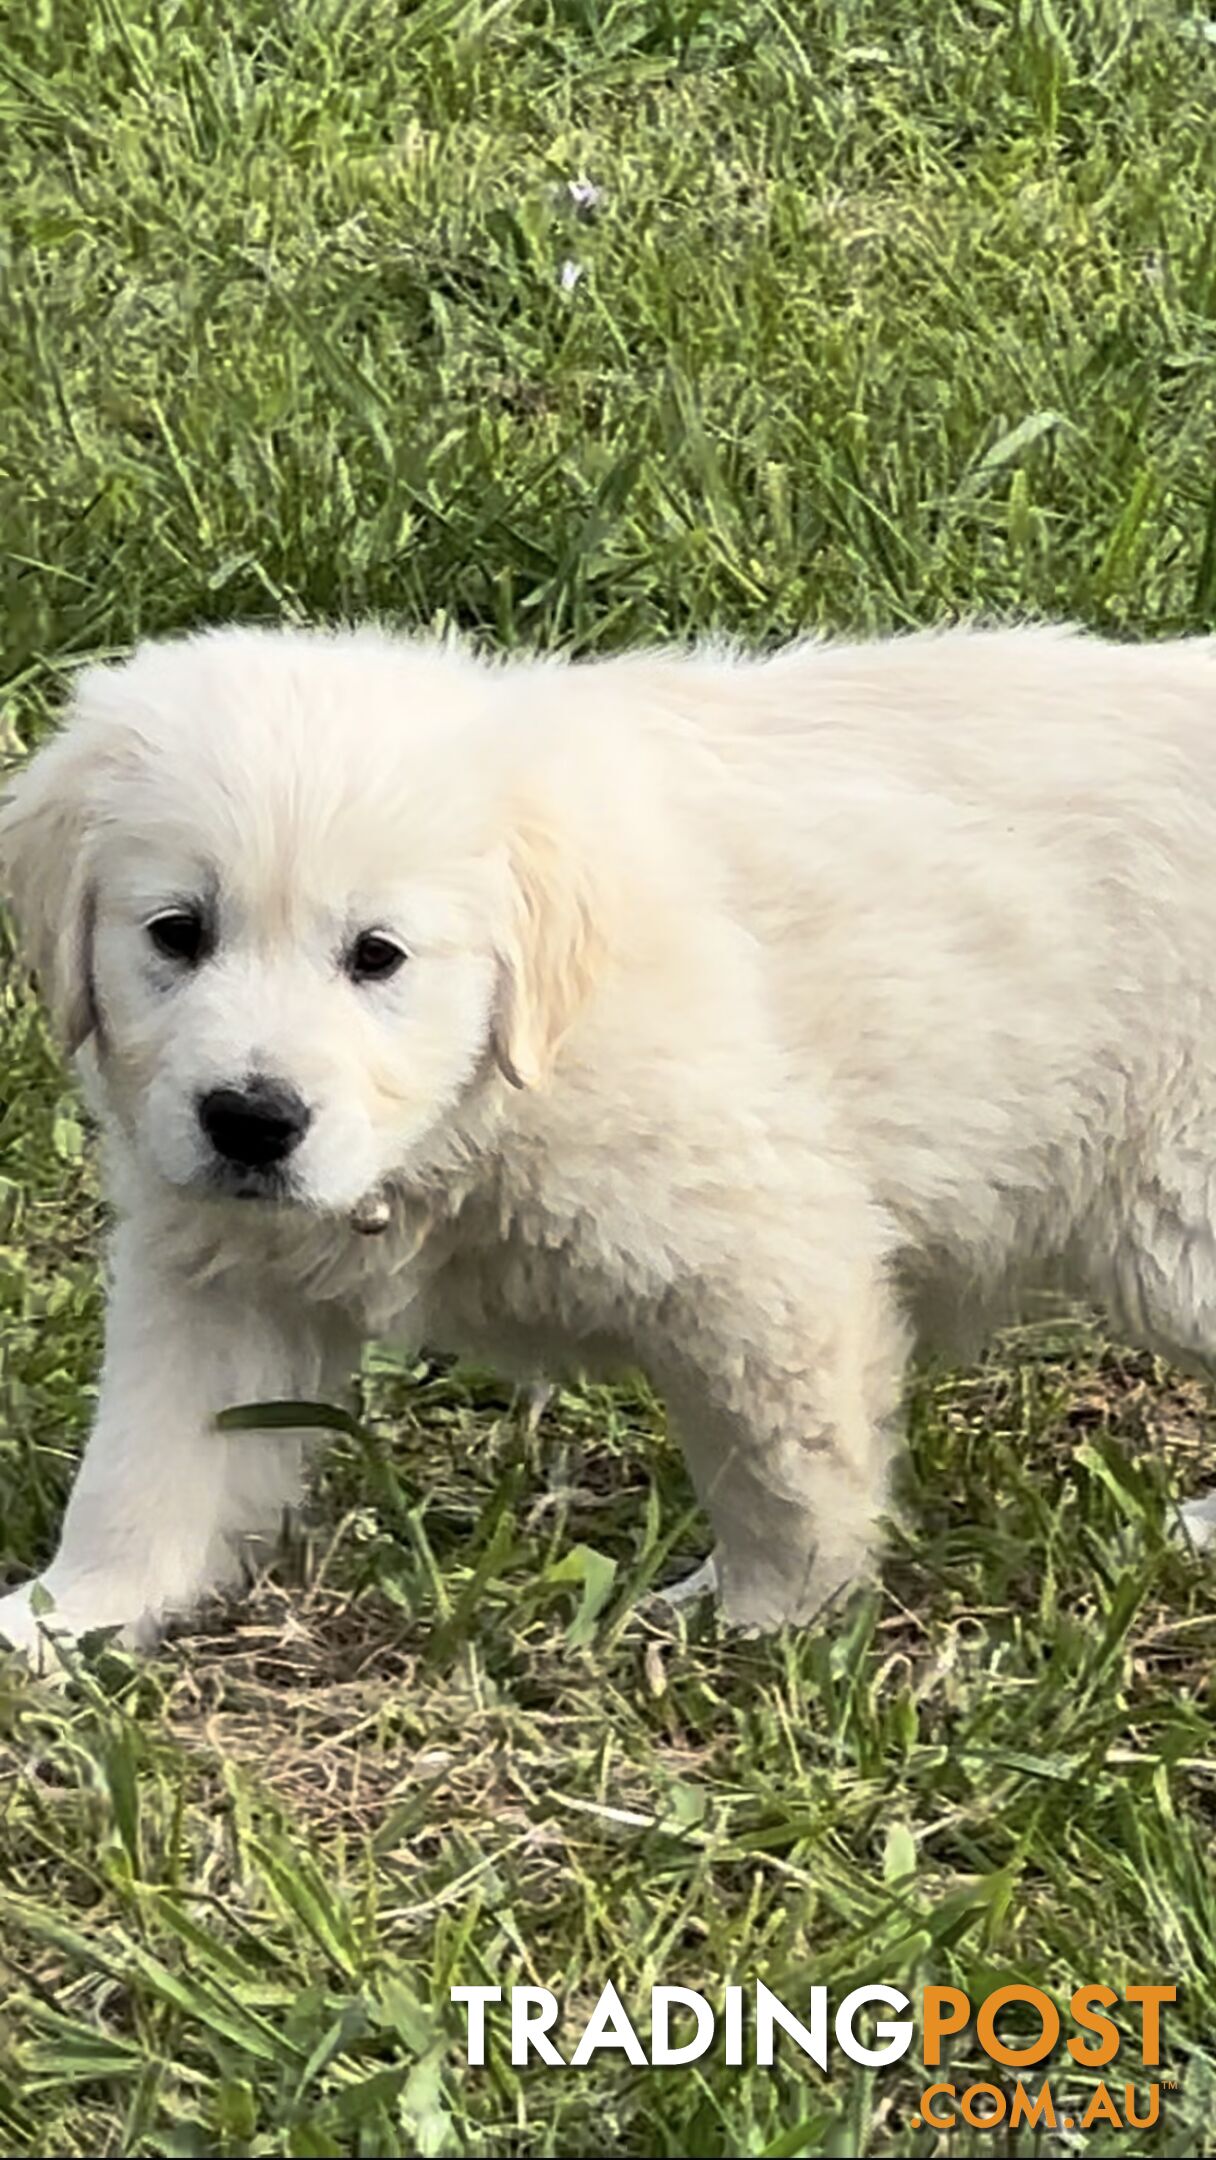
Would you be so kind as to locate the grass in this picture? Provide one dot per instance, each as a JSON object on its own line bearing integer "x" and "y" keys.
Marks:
{"x": 885, "y": 313}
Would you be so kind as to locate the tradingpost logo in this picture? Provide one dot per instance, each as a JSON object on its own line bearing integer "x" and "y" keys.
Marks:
{"x": 1033, "y": 2083}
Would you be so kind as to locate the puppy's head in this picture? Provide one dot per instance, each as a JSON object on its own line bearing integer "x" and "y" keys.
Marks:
{"x": 299, "y": 891}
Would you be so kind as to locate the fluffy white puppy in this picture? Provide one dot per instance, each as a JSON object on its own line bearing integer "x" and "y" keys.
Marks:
{"x": 747, "y": 1020}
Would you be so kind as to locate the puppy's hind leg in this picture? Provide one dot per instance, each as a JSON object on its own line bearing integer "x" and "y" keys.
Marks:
{"x": 1158, "y": 1279}
{"x": 787, "y": 1441}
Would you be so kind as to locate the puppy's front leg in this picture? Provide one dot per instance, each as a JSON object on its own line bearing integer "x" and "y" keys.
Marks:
{"x": 166, "y": 1508}
{"x": 785, "y": 1428}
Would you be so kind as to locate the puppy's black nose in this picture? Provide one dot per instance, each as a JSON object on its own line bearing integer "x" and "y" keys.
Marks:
{"x": 255, "y": 1126}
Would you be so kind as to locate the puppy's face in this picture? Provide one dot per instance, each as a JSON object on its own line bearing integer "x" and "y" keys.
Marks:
{"x": 291, "y": 1016}
{"x": 276, "y": 878}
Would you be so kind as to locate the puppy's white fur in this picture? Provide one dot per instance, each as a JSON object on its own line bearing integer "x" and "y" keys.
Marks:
{"x": 761, "y": 1019}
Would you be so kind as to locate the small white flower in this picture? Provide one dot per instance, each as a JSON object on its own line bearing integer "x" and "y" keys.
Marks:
{"x": 569, "y": 275}
{"x": 584, "y": 194}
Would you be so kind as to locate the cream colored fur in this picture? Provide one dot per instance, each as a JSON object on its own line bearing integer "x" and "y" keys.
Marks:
{"x": 761, "y": 1020}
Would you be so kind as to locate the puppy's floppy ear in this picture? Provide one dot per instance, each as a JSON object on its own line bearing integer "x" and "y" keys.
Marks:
{"x": 47, "y": 825}
{"x": 552, "y": 949}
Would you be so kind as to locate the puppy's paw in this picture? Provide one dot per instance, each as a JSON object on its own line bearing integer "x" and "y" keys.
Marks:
{"x": 1196, "y": 1522}
{"x": 703, "y": 1582}
{"x": 758, "y": 1601}
{"x": 537, "y": 1397}
{"x": 31, "y": 1632}
{"x": 45, "y": 1630}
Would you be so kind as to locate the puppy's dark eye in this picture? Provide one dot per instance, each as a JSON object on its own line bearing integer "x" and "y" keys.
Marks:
{"x": 373, "y": 958}
{"x": 179, "y": 934}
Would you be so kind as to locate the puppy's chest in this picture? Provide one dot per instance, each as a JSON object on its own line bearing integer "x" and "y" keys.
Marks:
{"x": 495, "y": 1274}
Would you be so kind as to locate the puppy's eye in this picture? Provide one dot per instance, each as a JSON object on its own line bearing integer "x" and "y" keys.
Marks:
{"x": 373, "y": 958}
{"x": 178, "y": 934}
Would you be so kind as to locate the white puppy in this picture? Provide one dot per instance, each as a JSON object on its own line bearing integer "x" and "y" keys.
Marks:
{"x": 746, "y": 1020}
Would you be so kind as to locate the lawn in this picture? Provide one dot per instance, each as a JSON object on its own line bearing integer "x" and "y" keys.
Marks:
{"x": 577, "y": 324}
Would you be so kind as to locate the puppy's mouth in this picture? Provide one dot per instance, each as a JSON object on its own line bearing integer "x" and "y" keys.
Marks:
{"x": 370, "y": 1216}
{"x": 273, "y": 1186}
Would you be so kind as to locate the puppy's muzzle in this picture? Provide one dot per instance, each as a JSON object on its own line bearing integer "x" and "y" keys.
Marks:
{"x": 254, "y": 1127}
